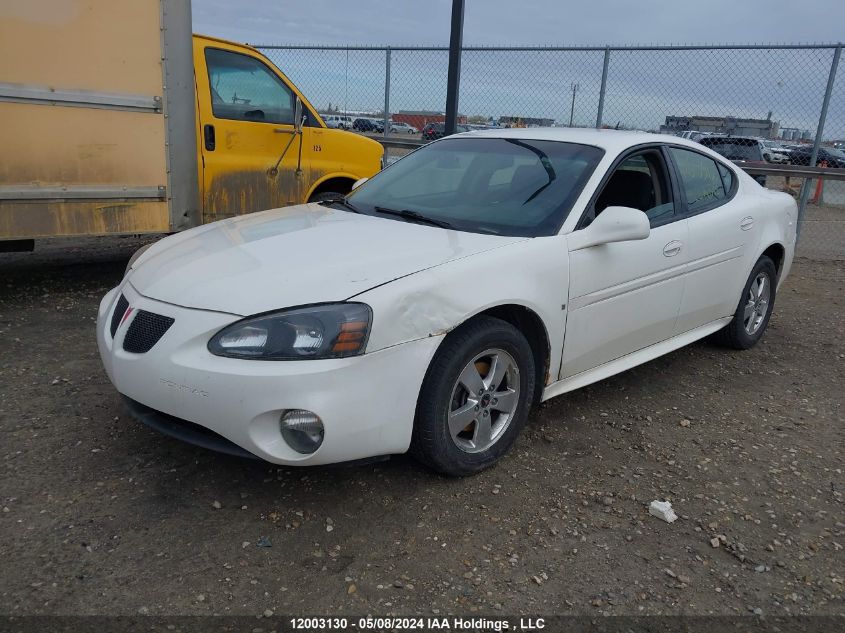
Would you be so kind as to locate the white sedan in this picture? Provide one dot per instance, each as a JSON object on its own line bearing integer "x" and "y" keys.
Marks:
{"x": 434, "y": 305}
{"x": 401, "y": 126}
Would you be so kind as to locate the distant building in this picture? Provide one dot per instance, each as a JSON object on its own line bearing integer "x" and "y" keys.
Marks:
{"x": 419, "y": 118}
{"x": 764, "y": 128}
{"x": 524, "y": 121}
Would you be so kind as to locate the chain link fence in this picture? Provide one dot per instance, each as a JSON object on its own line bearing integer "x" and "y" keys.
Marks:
{"x": 789, "y": 99}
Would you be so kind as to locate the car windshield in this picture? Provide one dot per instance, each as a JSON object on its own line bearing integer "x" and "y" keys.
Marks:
{"x": 516, "y": 187}
{"x": 734, "y": 148}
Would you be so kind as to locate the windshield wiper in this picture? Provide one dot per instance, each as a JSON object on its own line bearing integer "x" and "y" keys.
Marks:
{"x": 342, "y": 202}
{"x": 414, "y": 217}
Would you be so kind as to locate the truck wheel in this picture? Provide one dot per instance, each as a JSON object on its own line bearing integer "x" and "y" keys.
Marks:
{"x": 475, "y": 397}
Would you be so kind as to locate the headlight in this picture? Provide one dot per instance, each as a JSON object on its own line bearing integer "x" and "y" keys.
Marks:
{"x": 334, "y": 330}
{"x": 134, "y": 258}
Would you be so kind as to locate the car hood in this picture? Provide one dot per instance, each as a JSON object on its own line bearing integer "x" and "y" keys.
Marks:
{"x": 294, "y": 256}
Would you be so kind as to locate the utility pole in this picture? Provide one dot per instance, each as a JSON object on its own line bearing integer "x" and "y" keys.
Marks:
{"x": 453, "y": 80}
{"x": 575, "y": 88}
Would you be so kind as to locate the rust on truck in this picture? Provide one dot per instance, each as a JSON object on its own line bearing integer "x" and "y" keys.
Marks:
{"x": 235, "y": 193}
{"x": 24, "y": 220}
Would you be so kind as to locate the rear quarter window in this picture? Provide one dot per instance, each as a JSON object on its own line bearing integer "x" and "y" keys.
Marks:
{"x": 701, "y": 179}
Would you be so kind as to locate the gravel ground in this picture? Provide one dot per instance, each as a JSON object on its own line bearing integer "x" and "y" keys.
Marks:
{"x": 103, "y": 516}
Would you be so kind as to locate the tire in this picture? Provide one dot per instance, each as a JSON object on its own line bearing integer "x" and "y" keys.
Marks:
{"x": 324, "y": 196}
{"x": 474, "y": 351}
{"x": 738, "y": 334}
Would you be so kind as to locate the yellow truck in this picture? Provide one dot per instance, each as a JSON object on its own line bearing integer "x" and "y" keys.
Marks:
{"x": 116, "y": 119}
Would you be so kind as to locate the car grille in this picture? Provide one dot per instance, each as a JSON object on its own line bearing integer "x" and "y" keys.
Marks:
{"x": 145, "y": 331}
{"x": 119, "y": 311}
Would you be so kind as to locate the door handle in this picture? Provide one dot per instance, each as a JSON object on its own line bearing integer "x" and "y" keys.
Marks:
{"x": 672, "y": 248}
{"x": 208, "y": 137}
{"x": 746, "y": 223}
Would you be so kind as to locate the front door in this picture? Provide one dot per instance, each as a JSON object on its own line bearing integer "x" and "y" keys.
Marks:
{"x": 625, "y": 296}
{"x": 246, "y": 123}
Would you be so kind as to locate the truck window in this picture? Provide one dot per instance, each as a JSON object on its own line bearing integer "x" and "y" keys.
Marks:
{"x": 244, "y": 89}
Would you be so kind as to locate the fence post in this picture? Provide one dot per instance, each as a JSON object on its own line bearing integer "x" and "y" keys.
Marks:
{"x": 805, "y": 188}
{"x": 453, "y": 75}
{"x": 603, "y": 89}
{"x": 386, "y": 92}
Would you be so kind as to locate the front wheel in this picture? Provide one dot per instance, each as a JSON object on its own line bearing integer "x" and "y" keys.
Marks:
{"x": 475, "y": 397}
{"x": 755, "y": 307}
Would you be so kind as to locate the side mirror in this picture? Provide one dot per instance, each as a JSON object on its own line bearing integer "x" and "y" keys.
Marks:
{"x": 358, "y": 183}
{"x": 614, "y": 224}
{"x": 298, "y": 119}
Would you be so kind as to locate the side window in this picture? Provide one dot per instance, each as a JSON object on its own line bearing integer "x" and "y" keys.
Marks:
{"x": 245, "y": 89}
{"x": 701, "y": 179}
{"x": 639, "y": 182}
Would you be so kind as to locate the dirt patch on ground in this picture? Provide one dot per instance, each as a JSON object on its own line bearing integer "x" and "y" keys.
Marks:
{"x": 102, "y": 516}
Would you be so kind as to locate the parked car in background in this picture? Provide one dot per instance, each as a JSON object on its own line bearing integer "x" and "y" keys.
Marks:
{"x": 743, "y": 150}
{"x": 774, "y": 152}
{"x": 402, "y": 127}
{"x": 693, "y": 135}
{"x": 434, "y": 131}
{"x": 832, "y": 156}
{"x": 363, "y": 125}
{"x": 782, "y": 148}
{"x": 429, "y": 319}
{"x": 338, "y": 121}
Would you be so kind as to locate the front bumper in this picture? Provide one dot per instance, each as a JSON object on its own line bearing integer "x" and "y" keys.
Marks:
{"x": 367, "y": 403}
{"x": 185, "y": 431}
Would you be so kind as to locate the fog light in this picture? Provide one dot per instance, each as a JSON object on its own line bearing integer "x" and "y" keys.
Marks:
{"x": 302, "y": 430}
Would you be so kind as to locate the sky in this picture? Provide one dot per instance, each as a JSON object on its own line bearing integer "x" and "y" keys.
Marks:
{"x": 526, "y": 22}
{"x": 642, "y": 89}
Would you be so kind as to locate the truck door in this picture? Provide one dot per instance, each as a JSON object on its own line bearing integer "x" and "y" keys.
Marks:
{"x": 252, "y": 159}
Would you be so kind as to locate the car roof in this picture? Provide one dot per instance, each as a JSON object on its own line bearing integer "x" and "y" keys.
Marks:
{"x": 612, "y": 141}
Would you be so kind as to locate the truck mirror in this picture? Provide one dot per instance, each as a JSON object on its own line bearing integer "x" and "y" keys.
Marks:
{"x": 298, "y": 119}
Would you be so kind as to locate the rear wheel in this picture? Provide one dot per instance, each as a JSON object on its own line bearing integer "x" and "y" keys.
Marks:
{"x": 755, "y": 307}
{"x": 475, "y": 397}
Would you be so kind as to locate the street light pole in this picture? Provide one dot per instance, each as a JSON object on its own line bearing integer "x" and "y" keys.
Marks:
{"x": 572, "y": 111}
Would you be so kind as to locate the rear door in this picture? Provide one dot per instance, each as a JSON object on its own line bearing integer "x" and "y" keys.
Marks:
{"x": 625, "y": 296}
{"x": 721, "y": 225}
{"x": 251, "y": 155}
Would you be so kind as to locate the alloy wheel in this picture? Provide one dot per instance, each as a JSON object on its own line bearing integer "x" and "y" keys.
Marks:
{"x": 757, "y": 303}
{"x": 484, "y": 400}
